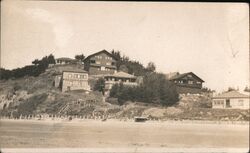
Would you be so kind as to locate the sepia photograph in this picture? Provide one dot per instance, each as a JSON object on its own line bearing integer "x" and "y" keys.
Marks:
{"x": 124, "y": 77}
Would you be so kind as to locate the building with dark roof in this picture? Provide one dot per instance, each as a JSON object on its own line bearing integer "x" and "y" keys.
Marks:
{"x": 100, "y": 63}
{"x": 186, "y": 82}
{"x": 231, "y": 100}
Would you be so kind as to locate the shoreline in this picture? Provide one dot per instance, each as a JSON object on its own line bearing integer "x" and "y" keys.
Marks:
{"x": 60, "y": 120}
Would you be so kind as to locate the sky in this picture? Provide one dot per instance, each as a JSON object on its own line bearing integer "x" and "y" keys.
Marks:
{"x": 209, "y": 39}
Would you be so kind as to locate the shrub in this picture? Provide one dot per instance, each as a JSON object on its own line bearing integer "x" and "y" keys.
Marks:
{"x": 154, "y": 89}
{"x": 99, "y": 85}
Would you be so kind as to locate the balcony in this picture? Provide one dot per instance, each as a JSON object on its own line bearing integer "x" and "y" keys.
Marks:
{"x": 98, "y": 65}
{"x": 124, "y": 83}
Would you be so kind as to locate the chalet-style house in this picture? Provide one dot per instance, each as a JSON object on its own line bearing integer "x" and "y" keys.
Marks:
{"x": 100, "y": 63}
{"x": 64, "y": 60}
{"x": 186, "y": 82}
{"x": 231, "y": 100}
{"x": 75, "y": 79}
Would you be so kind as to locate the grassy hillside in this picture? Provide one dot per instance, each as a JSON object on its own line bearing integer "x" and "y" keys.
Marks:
{"x": 37, "y": 95}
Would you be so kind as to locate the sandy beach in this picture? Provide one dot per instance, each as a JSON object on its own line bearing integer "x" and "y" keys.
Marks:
{"x": 118, "y": 134}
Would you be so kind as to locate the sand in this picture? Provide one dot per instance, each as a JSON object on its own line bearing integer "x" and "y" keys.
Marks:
{"x": 116, "y": 134}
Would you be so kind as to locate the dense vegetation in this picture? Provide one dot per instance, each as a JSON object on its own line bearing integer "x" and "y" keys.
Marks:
{"x": 100, "y": 85}
{"x": 132, "y": 66}
{"x": 80, "y": 57}
{"x": 154, "y": 89}
{"x": 38, "y": 67}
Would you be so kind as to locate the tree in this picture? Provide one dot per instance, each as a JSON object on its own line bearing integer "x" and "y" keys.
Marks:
{"x": 151, "y": 67}
{"x": 36, "y": 62}
{"x": 231, "y": 89}
{"x": 80, "y": 57}
{"x": 116, "y": 54}
{"x": 31, "y": 70}
{"x": 123, "y": 68}
{"x": 51, "y": 59}
{"x": 154, "y": 89}
{"x": 247, "y": 89}
{"x": 100, "y": 85}
{"x": 134, "y": 67}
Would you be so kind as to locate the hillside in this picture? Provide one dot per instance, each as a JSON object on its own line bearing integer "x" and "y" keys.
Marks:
{"x": 37, "y": 95}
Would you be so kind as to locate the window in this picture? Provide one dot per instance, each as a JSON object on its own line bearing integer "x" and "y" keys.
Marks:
{"x": 82, "y": 76}
{"x": 240, "y": 103}
{"x": 98, "y": 62}
{"x": 108, "y": 63}
{"x": 198, "y": 82}
{"x": 92, "y": 61}
{"x": 218, "y": 102}
{"x": 190, "y": 82}
{"x": 75, "y": 75}
{"x": 98, "y": 57}
{"x": 70, "y": 76}
{"x": 113, "y": 63}
{"x": 102, "y": 68}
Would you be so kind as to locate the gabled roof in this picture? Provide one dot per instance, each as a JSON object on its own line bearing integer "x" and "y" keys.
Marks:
{"x": 102, "y": 51}
{"x": 179, "y": 76}
{"x": 232, "y": 94}
{"x": 121, "y": 74}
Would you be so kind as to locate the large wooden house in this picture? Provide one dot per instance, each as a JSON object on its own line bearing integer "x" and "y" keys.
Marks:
{"x": 186, "y": 82}
{"x": 100, "y": 63}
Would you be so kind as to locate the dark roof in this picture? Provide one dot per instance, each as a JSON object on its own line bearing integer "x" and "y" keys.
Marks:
{"x": 102, "y": 51}
{"x": 65, "y": 59}
{"x": 179, "y": 76}
{"x": 232, "y": 94}
{"x": 121, "y": 74}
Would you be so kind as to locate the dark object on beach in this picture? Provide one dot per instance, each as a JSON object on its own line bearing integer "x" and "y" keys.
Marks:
{"x": 141, "y": 119}
{"x": 70, "y": 118}
{"x": 105, "y": 119}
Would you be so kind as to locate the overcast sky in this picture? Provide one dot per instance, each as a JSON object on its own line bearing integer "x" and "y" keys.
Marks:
{"x": 209, "y": 39}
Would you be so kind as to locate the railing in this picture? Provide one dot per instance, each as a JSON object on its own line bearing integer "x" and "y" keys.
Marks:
{"x": 124, "y": 83}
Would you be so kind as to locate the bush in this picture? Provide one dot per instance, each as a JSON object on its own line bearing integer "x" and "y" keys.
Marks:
{"x": 29, "y": 106}
{"x": 31, "y": 70}
{"x": 99, "y": 85}
{"x": 154, "y": 89}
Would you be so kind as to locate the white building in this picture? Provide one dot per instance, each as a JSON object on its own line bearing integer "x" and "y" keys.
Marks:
{"x": 75, "y": 80}
{"x": 231, "y": 100}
